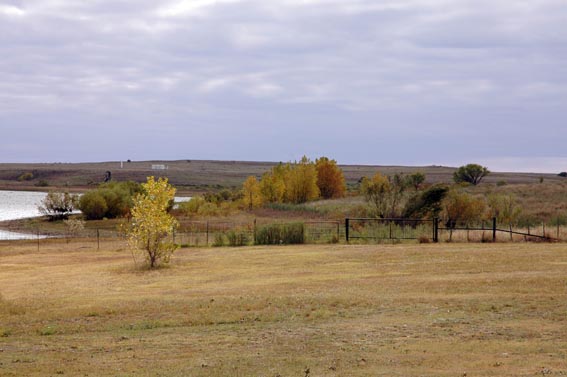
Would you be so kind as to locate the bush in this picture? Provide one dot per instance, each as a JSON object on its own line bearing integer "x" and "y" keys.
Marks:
{"x": 42, "y": 183}
{"x": 237, "y": 238}
{"x": 219, "y": 240}
{"x": 427, "y": 204}
{"x": 93, "y": 205}
{"x": 109, "y": 200}
{"x": 281, "y": 234}
{"x": 28, "y": 176}
{"x": 58, "y": 205}
{"x": 423, "y": 239}
{"x": 199, "y": 206}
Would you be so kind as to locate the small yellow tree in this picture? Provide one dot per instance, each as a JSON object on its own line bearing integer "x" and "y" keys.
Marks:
{"x": 272, "y": 185}
{"x": 151, "y": 223}
{"x": 462, "y": 208}
{"x": 377, "y": 192}
{"x": 251, "y": 193}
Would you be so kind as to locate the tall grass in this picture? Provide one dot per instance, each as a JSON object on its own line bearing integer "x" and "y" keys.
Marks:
{"x": 281, "y": 234}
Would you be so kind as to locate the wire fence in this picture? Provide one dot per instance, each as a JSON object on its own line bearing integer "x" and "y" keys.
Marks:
{"x": 190, "y": 234}
{"x": 91, "y": 239}
{"x": 350, "y": 230}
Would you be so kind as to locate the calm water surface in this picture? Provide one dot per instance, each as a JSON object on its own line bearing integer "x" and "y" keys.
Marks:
{"x": 18, "y": 205}
{"x": 23, "y": 204}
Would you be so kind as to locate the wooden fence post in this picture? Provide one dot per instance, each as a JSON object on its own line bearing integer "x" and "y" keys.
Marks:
{"x": 435, "y": 229}
{"x": 347, "y": 225}
{"x": 494, "y": 229}
{"x": 254, "y": 231}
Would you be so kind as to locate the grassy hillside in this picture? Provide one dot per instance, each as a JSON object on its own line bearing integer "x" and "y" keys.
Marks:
{"x": 404, "y": 310}
{"x": 191, "y": 176}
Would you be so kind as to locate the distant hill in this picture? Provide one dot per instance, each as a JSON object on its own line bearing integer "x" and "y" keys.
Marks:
{"x": 191, "y": 176}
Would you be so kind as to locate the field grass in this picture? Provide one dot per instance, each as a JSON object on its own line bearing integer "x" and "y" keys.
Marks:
{"x": 325, "y": 310}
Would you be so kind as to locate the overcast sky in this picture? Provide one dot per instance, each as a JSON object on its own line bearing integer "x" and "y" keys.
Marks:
{"x": 412, "y": 82}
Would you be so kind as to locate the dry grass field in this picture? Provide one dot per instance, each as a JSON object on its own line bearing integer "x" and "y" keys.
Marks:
{"x": 382, "y": 310}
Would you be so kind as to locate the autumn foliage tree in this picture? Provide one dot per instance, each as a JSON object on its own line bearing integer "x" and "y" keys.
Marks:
{"x": 301, "y": 182}
{"x": 272, "y": 185}
{"x": 151, "y": 223}
{"x": 251, "y": 191}
{"x": 376, "y": 191}
{"x": 330, "y": 178}
{"x": 504, "y": 208}
{"x": 462, "y": 208}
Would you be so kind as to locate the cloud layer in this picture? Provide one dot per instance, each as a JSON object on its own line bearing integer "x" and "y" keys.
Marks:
{"x": 395, "y": 81}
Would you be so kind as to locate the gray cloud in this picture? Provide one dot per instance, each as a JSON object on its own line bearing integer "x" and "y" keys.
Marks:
{"x": 361, "y": 81}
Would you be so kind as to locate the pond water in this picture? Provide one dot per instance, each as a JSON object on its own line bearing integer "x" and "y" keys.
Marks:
{"x": 18, "y": 205}
{"x": 23, "y": 204}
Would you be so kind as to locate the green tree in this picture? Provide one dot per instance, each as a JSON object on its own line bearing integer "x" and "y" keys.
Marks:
{"x": 151, "y": 223}
{"x": 471, "y": 173}
{"x": 58, "y": 205}
{"x": 416, "y": 180}
{"x": 427, "y": 204}
{"x": 330, "y": 178}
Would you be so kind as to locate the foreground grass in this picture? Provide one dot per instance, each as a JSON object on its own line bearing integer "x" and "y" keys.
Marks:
{"x": 402, "y": 310}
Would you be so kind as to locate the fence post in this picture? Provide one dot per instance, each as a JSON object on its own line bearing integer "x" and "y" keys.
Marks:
{"x": 97, "y": 240}
{"x": 435, "y": 229}
{"x": 254, "y": 231}
{"x": 38, "y": 238}
{"x": 339, "y": 231}
{"x": 207, "y": 245}
{"x": 494, "y": 229}
{"x": 347, "y": 225}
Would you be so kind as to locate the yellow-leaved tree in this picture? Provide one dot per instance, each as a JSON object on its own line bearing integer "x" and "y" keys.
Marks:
{"x": 376, "y": 191}
{"x": 151, "y": 223}
{"x": 301, "y": 182}
{"x": 272, "y": 185}
{"x": 330, "y": 178}
{"x": 252, "y": 197}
